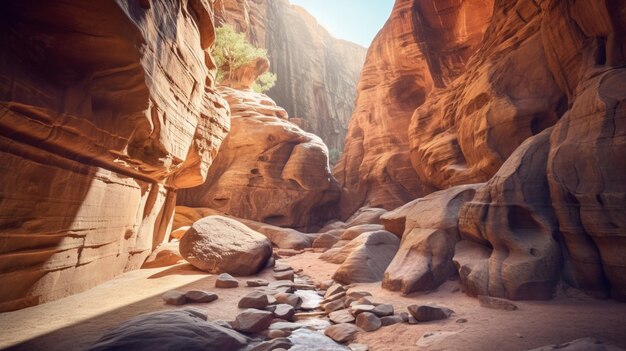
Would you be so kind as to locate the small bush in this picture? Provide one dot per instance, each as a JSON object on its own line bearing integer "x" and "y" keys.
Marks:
{"x": 231, "y": 50}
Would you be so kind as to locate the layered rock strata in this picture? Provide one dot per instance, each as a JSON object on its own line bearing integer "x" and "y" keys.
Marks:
{"x": 106, "y": 107}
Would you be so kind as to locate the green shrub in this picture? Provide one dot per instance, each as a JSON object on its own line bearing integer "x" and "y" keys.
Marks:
{"x": 231, "y": 50}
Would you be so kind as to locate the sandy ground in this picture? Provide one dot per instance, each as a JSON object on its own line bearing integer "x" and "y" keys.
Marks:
{"x": 75, "y": 322}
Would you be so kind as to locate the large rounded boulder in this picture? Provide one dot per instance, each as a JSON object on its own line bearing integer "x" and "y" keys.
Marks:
{"x": 218, "y": 244}
{"x": 170, "y": 330}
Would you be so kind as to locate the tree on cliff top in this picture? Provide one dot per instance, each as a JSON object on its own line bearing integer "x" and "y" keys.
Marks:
{"x": 231, "y": 50}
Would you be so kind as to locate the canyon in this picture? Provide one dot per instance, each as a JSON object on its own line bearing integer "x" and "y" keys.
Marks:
{"x": 481, "y": 179}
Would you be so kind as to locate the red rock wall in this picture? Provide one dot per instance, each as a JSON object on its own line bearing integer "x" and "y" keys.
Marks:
{"x": 423, "y": 45}
{"x": 106, "y": 107}
{"x": 317, "y": 74}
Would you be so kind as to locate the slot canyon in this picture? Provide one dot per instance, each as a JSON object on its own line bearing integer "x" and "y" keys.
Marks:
{"x": 460, "y": 184}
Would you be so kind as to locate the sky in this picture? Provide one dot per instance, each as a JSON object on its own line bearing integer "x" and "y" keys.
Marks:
{"x": 355, "y": 20}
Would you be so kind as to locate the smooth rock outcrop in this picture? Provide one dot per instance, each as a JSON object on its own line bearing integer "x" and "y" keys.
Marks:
{"x": 96, "y": 137}
{"x": 268, "y": 169}
{"x": 424, "y": 259}
{"x": 166, "y": 254}
{"x": 512, "y": 218}
{"x": 170, "y": 330}
{"x": 365, "y": 258}
{"x": 221, "y": 245}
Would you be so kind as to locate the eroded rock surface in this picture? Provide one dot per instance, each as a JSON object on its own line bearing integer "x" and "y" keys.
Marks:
{"x": 268, "y": 169}
{"x": 95, "y": 135}
{"x": 317, "y": 74}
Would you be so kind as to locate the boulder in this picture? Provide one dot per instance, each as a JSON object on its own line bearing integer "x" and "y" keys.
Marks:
{"x": 289, "y": 299}
{"x": 284, "y": 311}
{"x": 255, "y": 299}
{"x": 368, "y": 322}
{"x": 341, "y": 316}
{"x": 427, "y": 313}
{"x": 366, "y": 257}
{"x": 174, "y": 297}
{"x": 424, "y": 259}
{"x": 252, "y": 321}
{"x": 257, "y": 282}
{"x": 342, "y": 333}
{"x": 383, "y": 310}
{"x": 274, "y": 344}
{"x": 512, "y": 218}
{"x": 226, "y": 281}
{"x": 200, "y": 296}
{"x": 391, "y": 320}
{"x": 221, "y": 245}
{"x": 170, "y": 330}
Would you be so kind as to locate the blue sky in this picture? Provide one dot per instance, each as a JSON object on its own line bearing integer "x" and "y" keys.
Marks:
{"x": 354, "y": 20}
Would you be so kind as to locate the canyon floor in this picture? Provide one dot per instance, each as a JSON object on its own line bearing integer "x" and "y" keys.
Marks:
{"x": 75, "y": 322}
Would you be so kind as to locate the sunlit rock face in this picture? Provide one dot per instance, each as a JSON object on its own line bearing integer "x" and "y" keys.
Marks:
{"x": 423, "y": 45}
{"x": 268, "y": 169}
{"x": 537, "y": 113}
{"x": 317, "y": 74}
{"x": 105, "y": 108}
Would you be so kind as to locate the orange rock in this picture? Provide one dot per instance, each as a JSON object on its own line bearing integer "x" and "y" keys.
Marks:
{"x": 317, "y": 74}
{"x": 422, "y": 46}
{"x": 95, "y": 135}
{"x": 268, "y": 170}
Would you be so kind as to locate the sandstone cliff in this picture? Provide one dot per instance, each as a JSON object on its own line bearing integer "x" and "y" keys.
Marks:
{"x": 422, "y": 46}
{"x": 317, "y": 73}
{"x": 106, "y": 107}
{"x": 524, "y": 95}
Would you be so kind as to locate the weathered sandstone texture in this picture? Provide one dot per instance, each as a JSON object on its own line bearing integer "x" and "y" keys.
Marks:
{"x": 217, "y": 244}
{"x": 106, "y": 107}
{"x": 317, "y": 74}
{"x": 424, "y": 260}
{"x": 537, "y": 112}
{"x": 424, "y": 45}
{"x": 268, "y": 169}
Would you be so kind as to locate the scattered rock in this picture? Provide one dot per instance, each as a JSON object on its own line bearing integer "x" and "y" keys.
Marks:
{"x": 426, "y": 313}
{"x": 257, "y": 282}
{"x": 255, "y": 299}
{"x": 357, "y": 309}
{"x": 290, "y": 299}
{"x": 333, "y": 306}
{"x": 412, "y": 320}
{"x": 284, "y": 311}
{"x": 368, "y": 321}
{"x": 334, "y": 289}
{"x": 496, "y": 303}
{"x": 282, "y": 284}
{"x": 284, "y": 275}
{"x": 174, "y": 297}
{"x": 342, "y": 333}
{"x": 170, "y": 330}
{"x": 383, "y": 310}
{"x": 341, "y": 316}
{"x": 282, "y": 268}
{"x": 200, "y": 296}
{"x": 334, "y": 297}
{"x": 325, "y": 285}
{"x": 226, "y": 281}
{"x": 461, "y": 320}
{"x": 273, "y": 344}
{"x": 219, "y": 244}
{"x": 390, "y": 320}
{"x": 252, "y": 321}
